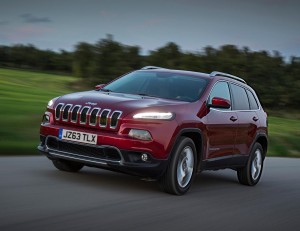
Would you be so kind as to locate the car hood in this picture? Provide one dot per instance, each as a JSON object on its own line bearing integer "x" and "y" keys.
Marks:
{"x": 126, "y": 103}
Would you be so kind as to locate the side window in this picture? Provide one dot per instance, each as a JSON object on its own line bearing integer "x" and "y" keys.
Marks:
{"x": 252, "y": 100}
{"x": 221, "y": 90}
{"x": 240, "y": 99}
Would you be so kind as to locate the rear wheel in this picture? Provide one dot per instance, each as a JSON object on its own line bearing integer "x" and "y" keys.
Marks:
{"x": 251, "y": 173}
{"x": 66, "y": 165}
{"x": 181, "y": 169}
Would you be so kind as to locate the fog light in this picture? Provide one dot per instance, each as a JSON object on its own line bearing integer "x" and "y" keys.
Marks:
{"x": 140, "y": 134}
{"x": 144, "y": 157}
{"x": 46, "y": 119}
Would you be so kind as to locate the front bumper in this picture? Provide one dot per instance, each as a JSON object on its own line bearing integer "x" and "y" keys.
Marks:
{"x": 102, "y": 156}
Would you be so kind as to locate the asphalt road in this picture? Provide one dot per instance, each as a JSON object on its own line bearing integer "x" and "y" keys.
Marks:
{"x": 36, "y": 196}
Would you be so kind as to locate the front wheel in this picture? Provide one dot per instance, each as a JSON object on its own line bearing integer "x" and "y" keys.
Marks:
{"x": 251, "y": 173}
{"x": 181, "y": 169}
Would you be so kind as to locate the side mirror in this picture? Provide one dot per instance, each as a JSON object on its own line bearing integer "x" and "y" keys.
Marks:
{"x": 100, "y": 86}
{"x": 218, "y": 102}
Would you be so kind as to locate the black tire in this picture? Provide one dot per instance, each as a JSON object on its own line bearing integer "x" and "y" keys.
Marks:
{"x": 66, "y": 165}
{"x": 182, "y": 159}
{"x": 251, "y": 173}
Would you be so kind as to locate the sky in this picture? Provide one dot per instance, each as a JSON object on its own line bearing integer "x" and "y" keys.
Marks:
{"x": 271, "y": 25}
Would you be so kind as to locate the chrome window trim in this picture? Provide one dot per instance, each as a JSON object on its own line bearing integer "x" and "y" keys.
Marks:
{"x": 90, "y": 113}
{"x": 228, "y": 82}
{"x": 75, "y": 121}
{"x": 85, "y": 115}
{"x": 111, "y": 115}
{"x": 215, "y": 109}
{"x": 59, "y": 110}
{"x": 255, "y": 99}
{"x": 107, "y": 117}
{"x": 223, "y": 74}
{"x": 251, "y": 90}
{"x": 62, "y": 117}
{"x": 208, "y": 97}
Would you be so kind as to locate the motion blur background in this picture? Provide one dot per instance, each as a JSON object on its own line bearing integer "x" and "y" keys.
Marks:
{"x": 50, "y": 48}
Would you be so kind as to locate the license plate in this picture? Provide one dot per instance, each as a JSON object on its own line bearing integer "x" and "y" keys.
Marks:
{"x": 82, "y": 137}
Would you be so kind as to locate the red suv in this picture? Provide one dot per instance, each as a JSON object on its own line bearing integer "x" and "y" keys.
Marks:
{"x": 160, "y": 123}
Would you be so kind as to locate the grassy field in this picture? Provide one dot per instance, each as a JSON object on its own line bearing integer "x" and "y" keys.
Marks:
{"x": 23, "y": 99}
{"x": 24, "y": 96}
{"x": 284, "y": 137}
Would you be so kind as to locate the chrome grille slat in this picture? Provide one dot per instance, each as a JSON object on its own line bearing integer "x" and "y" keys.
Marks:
{"x": 86, "y": 115}
{"x": 104, "y": 117}
{"x": 74, "y": 115}
{"x": 93, "y": 116}
{"x": 114, "y": 118}
{"x": 83, "y": 114}
{"x": 58, "y": 110}
{"x": 66, "y": 110}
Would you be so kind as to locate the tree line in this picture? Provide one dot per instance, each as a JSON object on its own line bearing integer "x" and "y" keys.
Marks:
{"x": 277, "y": 82}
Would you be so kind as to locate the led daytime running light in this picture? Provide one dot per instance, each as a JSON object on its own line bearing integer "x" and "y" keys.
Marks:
{"x": 154, "y": 115}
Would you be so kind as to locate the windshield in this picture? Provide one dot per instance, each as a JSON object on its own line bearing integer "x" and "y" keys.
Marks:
{"x": 159, "y": 84}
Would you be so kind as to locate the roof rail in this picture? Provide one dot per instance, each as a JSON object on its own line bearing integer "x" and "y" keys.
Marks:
{"x": 151, "y": 67}
{"x": 217, "y": 73}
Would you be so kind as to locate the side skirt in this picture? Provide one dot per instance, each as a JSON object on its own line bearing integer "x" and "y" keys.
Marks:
{"x": 232, "y": 161}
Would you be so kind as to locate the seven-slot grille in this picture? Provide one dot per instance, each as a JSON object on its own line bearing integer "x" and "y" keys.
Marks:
{"x": 85, "y": 115}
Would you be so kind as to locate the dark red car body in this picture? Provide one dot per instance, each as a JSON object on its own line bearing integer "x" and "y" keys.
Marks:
{"x": 223, "y": 138}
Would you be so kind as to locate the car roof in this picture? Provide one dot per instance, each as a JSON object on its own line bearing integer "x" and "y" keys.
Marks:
{"x": 182, "y": 72}
{"x": 215, "y": 75}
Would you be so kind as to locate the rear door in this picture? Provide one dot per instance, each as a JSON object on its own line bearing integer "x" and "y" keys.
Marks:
{"x": 248, "y": 120}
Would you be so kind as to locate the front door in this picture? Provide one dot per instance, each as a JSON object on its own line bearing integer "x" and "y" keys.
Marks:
{"x": 222, "y": 125}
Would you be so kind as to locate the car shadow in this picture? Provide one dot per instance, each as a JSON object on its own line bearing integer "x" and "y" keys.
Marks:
{"x": 99, "y": 178}
{"x": 208, "y": 178}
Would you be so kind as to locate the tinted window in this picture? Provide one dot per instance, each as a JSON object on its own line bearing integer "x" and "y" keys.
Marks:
{"x": 240, "y": 99}
{"x": 167, "y": 85}
{"x": 220, "y": 90}
{"x": 252, "y": 100}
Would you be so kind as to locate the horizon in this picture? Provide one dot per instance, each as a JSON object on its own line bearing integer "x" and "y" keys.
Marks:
{"x": 260, "y": 25}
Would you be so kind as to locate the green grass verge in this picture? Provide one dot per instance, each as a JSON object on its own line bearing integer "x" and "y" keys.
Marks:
{"x": 23, "y": 99}
{"x": 284, "y": 137}
{"x": 24, "y": 96}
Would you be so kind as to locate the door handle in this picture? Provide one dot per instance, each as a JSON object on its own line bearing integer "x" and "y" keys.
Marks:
{"x": 233, "y": 118}
{"x": 255, "y": 118}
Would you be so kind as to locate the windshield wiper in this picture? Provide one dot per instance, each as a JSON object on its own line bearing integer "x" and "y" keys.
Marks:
{"x": 144, "y": 94}
{"x": 105, "y": 90}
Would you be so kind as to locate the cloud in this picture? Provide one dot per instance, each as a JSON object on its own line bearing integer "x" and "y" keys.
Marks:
{"x": 28, "y": 33}
{"x": 29, "y": 18}
{"x": 2, "y": 23}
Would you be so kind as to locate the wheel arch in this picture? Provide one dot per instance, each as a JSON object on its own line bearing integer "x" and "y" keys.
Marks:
{"x": 263, "y": 141}
{"x": 196, "y": 136}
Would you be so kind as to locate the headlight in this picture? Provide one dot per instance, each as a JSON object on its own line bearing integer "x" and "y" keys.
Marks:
{"x": 51, "y": 102}
{"x": 140, "y": 134}
{"x": 154, "y": 115}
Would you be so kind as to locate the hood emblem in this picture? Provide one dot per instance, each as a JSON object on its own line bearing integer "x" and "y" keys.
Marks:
{"x": 91, "y": 103}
